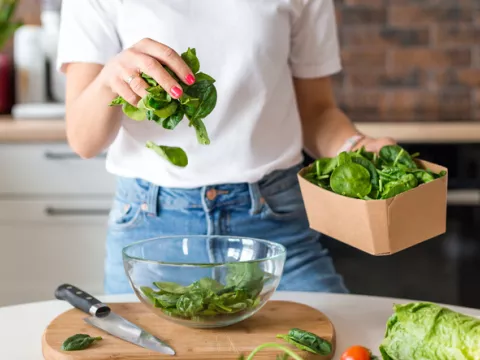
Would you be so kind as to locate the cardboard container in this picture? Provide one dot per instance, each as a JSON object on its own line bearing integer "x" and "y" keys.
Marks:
{"x": 379, "y": 227}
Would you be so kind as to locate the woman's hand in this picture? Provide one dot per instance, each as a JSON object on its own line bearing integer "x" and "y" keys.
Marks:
{"x": 122, "y": 74}
{"x": 374, "y": 145}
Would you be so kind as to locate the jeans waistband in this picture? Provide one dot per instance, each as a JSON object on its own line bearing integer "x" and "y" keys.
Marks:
{"x": 153, "y": 198}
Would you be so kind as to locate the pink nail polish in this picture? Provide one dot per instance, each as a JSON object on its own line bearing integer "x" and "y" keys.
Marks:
{"x": 190, "y": 79}
{"x": 176, "y": 91}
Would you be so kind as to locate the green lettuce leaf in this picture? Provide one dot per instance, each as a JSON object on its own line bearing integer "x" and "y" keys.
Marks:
{"x": 426, "y": 331}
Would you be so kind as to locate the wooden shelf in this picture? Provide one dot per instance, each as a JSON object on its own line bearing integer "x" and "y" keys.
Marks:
{"x": 425, "y": 132}
{"x": 44, "y": 130}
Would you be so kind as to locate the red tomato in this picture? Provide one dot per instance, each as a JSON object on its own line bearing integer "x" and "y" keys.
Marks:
{"x": 356, "y": 353}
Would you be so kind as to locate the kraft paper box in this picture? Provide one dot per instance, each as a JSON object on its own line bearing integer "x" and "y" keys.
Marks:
{"x": 379, "y": 227}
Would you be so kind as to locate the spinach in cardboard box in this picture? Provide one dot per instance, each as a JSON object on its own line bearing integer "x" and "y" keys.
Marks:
{"x": 368, "y": 176}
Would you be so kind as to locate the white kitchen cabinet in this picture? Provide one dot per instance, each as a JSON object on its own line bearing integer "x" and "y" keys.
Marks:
{"x": 39, "y": 169}
{"x": 53, "y": 221}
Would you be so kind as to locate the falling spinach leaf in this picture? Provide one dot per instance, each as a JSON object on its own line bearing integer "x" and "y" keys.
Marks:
{"x": 352, "y": 180}
{"x": 196, "y": 103}
{"x": 175, "y": 155}
{"x": 79, "y": 342}
{"x": 307, "y": 341}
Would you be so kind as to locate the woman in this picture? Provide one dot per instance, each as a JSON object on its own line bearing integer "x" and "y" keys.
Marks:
{"x": 272, "y": 61}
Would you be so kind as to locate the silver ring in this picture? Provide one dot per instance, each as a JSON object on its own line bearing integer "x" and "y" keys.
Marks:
{"x": 129, "y": 79}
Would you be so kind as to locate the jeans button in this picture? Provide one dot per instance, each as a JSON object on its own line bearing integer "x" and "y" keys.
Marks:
{"x": 211, "y": 194}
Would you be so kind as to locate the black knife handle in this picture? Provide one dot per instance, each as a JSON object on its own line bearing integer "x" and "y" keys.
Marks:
{"x": 82, "y": 300}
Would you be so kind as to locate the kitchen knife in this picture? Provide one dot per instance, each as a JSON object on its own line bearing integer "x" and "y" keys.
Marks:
{"x": 106, "y": 320}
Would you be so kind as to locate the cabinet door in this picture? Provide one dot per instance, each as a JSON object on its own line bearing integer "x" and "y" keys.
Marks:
{"x": 47, "y": 169}
{"x": 45, "y": 243}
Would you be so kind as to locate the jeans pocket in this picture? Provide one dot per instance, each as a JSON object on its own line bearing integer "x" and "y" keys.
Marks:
{"x": 286, "y": 204}
{"x": 124, "y": 215}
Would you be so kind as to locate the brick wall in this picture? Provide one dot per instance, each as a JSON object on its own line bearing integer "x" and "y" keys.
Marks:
{"x": 409, "y": 60}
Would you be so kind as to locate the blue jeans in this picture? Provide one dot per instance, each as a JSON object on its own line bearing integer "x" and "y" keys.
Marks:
{"x": 270, "y": 209}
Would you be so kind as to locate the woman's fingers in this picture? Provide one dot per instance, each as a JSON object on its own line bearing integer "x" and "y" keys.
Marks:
{"x": 133, "y": 79}
{"x": 125, "y": 91}
{"x": 167, "y": 56}
{"x": 153, "y": 68}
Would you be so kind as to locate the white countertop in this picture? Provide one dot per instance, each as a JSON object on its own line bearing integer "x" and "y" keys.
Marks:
{"x": 357, "y": 320}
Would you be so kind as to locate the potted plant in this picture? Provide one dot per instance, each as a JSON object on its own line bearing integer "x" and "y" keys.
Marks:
{"x": 8, "y": 26}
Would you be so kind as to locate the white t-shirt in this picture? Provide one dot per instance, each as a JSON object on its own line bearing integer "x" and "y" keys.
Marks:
{"x": 251, "y": 47}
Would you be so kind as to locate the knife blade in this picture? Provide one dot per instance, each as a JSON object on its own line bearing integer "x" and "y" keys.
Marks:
{"x": 106, "y": 320}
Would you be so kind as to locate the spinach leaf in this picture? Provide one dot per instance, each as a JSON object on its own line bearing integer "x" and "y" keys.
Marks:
{"x": 204, "y": 90}
{"x": 201, "y": 131}
{"x": 307, "y": 341}
{"x": 79, "y": 342}
{"x": 190, "y": 58}
{"x": 148, "y": 79}
{"x": 173, "y": 120}
{"x": 175, "y": 155}
{"x": 424, "y": 176}
{"x": 133, "y": 112}
{"x": 166, "y": 300}
{"x": 393, "y": 154}
{"x": 118, "y": 101}
{"x": 248, "y": 276}
{"x": 344, "y": 158}
{"x": 190, "y": 303}
{"x": 370, "y": 167}
{"x": 325, "y": 166}
{"x": 171, "y": 287}
{"x": 207, "y": 284}
{"x": 393, "y": 188}
{"x": 352, "y": 180}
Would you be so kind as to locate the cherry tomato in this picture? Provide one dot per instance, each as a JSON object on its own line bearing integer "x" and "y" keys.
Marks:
{"x": 356, "y": 353}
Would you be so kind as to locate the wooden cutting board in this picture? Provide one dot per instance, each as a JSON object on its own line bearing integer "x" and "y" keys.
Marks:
{"x": 276, "y": 317}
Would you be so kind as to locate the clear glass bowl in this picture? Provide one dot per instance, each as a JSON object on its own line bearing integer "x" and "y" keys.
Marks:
{"x": 204, "y": 281}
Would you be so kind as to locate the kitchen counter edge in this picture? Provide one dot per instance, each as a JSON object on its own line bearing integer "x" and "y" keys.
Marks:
{"x": 46, "y": 130}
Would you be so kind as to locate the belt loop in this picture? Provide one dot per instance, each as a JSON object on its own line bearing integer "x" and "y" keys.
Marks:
{"x": 255, "y": 198}
{"x": 152, "y": 200}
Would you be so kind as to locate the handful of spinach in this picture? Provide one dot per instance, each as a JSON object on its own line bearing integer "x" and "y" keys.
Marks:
{"x": 366, "y": 175}
{"x": 207, "y": 298}
{"x": 196, "y": 103}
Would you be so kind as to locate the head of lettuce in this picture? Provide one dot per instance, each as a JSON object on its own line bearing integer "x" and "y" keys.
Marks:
{"x": 426, "y": 331}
